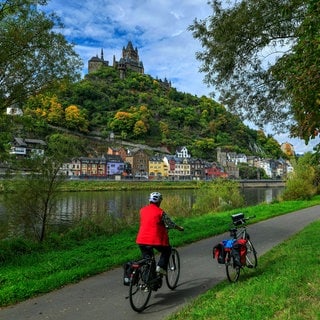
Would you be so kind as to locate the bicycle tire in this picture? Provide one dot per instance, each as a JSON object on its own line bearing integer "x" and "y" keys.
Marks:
{"x": 173, "y": 270}
{"x": 139, "y": 290}
{"x": 232, "y": 269}
{"x": 251, "y": 255}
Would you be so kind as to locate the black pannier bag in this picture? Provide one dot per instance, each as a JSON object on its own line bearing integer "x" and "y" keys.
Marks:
{"x": 219, "y": 253}
{"x": 127, "y": 271}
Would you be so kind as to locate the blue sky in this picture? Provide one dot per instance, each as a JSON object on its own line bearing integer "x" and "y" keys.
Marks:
{"x": 157, "y": 28}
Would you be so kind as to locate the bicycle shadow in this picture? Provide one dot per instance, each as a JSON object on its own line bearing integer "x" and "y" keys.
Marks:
{"x": 183, "y": 293}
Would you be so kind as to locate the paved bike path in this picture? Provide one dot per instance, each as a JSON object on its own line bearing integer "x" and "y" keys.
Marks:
{"x": 103, "y": 297}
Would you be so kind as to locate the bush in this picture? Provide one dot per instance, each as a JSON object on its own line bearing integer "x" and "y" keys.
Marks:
{"x": 219, "y": 195}
{"x": 300, "y": 183}
{"x": 298, "y": 189}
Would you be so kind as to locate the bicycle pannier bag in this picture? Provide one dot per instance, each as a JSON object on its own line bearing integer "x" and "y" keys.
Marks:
{"x": 237, "y": 219}
{"x": 243, "y": 250}
{"x": 127, "y": 271}
{"x": 219, "y": 253}
{"x": 239, "y": 251}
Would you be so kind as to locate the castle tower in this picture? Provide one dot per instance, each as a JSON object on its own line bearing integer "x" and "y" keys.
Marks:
{"x": 122, "y": 69}
{"x": 129, "y": 53}
{"x": 96, "y": 63}
{"x": 128, "y": 61}
{"x": 102, "y": 55}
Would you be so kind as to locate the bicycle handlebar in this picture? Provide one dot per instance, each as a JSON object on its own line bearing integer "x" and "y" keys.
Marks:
{"x": 248, "y": 218}
{"x": 239, "y": 219}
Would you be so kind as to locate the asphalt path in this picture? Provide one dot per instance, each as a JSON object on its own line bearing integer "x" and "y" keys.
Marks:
{"x": 103, "y": 297}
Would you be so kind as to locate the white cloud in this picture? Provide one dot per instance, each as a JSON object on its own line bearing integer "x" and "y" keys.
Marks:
{"x": 157, "y": 28}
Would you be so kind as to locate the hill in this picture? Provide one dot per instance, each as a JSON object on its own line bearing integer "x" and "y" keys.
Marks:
{"x": 142, "y": 110}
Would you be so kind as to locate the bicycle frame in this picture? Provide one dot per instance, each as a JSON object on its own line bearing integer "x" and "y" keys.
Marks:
{"x": 144, "y": 279}
{"x": 237, "y": 232}
{"x": 240, "y": 233}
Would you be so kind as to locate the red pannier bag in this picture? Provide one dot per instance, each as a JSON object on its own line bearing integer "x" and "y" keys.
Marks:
{"x": 219, "y": 250}
{"x": 239, "y": 251}
{"x": 219, "y": 253}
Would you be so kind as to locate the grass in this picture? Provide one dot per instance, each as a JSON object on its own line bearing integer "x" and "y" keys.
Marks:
{"x": 286, "y": 285}
{"x": 36, "y": 270}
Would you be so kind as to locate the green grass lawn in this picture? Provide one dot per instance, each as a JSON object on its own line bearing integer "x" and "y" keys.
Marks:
{"x": 36, "y": 270}
{"x": 286, "y": 285}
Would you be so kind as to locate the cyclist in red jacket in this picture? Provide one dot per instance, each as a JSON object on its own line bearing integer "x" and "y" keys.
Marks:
{"x": 153, "y": 231}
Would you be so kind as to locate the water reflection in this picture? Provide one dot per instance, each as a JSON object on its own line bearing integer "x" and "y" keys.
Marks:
{"x": 126, "y": 204}
{"x": 118, "y": 204}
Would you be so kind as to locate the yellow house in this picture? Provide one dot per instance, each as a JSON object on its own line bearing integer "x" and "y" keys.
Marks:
{"x": 158, "y": 168}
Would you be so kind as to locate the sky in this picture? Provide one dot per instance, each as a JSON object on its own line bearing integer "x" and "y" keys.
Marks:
{"x": 158, "y": 29}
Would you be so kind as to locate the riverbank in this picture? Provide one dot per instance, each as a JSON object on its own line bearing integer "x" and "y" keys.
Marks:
{"x": 75, "y": 185}
{"x": 105, "y": 185}
{"x": 124, "y": 185}
{"x": 28, "y": 269}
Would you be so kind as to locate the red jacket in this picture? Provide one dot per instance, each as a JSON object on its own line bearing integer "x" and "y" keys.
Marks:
{"x": 152, "y": 230}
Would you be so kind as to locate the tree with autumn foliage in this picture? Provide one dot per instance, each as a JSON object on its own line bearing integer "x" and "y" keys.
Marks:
{"x": 132, "y": 123}
{"x": 45, "y": 106}
{"x": 76, "y": 119}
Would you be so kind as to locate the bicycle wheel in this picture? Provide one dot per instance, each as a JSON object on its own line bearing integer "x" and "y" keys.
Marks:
{"x": 232, "y": 269}
{"x": 139, "y": 291}
{"x": 173, "y": 271}
{"x": 251, "y": 256}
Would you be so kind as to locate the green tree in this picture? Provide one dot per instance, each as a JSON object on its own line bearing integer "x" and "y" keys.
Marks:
{"x": 33, "y": 56}
{"x": 263, "y": 58}
{"x": 32, "y": 201}
{"x": 301, "y": 182}
{"x": 251, "y": 172}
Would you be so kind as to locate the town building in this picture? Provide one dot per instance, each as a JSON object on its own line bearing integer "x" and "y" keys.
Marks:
{"x": 27, "y": 147}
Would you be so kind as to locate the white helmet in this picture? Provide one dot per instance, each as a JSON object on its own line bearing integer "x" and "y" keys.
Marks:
{"x": 155, "y": 197}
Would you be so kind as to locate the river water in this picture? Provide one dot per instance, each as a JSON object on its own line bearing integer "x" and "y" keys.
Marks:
{"x": 121, "y": 204}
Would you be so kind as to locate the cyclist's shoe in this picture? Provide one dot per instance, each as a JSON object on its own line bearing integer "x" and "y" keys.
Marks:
{"x": 158, "y": 284}
{"x": 161, "y": 271}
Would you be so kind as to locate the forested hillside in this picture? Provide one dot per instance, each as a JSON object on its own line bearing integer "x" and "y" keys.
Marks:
{"x": 144, "y": 110}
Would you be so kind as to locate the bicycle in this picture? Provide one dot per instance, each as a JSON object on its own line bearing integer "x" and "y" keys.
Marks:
{"x": 144, "y": 279}
{"x": 235, "y": 260}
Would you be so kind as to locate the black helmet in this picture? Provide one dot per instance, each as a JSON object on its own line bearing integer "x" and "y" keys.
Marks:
{"x": 155, "y": 197}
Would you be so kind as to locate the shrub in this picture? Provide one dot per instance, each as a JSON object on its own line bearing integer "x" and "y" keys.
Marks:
{"x": 300, "y": 183}
{"x": 219, "y": 195}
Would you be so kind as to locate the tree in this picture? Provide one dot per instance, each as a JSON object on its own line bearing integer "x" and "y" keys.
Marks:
{"x": 301, "y": 182}
{"x": 33, "y": 57}
{"x": 32, "y": 201}
{"x": 263, "y": 57}
{"x": 76, "y": 118}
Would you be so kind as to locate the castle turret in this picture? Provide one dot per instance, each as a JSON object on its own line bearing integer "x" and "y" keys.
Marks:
{"x": 96, "y": 63}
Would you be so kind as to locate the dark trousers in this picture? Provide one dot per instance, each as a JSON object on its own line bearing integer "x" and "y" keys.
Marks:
{"x": 147, "y": 251}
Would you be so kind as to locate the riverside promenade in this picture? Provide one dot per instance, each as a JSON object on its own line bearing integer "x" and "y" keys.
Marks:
{"x": 103, "y": 297}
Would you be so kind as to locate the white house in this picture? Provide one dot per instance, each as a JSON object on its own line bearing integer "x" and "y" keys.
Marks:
{"x": 182, "y": 152}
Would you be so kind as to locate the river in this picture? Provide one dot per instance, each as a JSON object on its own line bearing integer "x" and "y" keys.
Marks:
{"x": 121, "y": 204}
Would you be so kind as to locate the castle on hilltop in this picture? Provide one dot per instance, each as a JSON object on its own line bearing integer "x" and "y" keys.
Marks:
{"x": 129, "y": 61}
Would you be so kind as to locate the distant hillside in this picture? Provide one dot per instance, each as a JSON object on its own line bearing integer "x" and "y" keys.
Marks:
{"x": 142, "y": 110}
